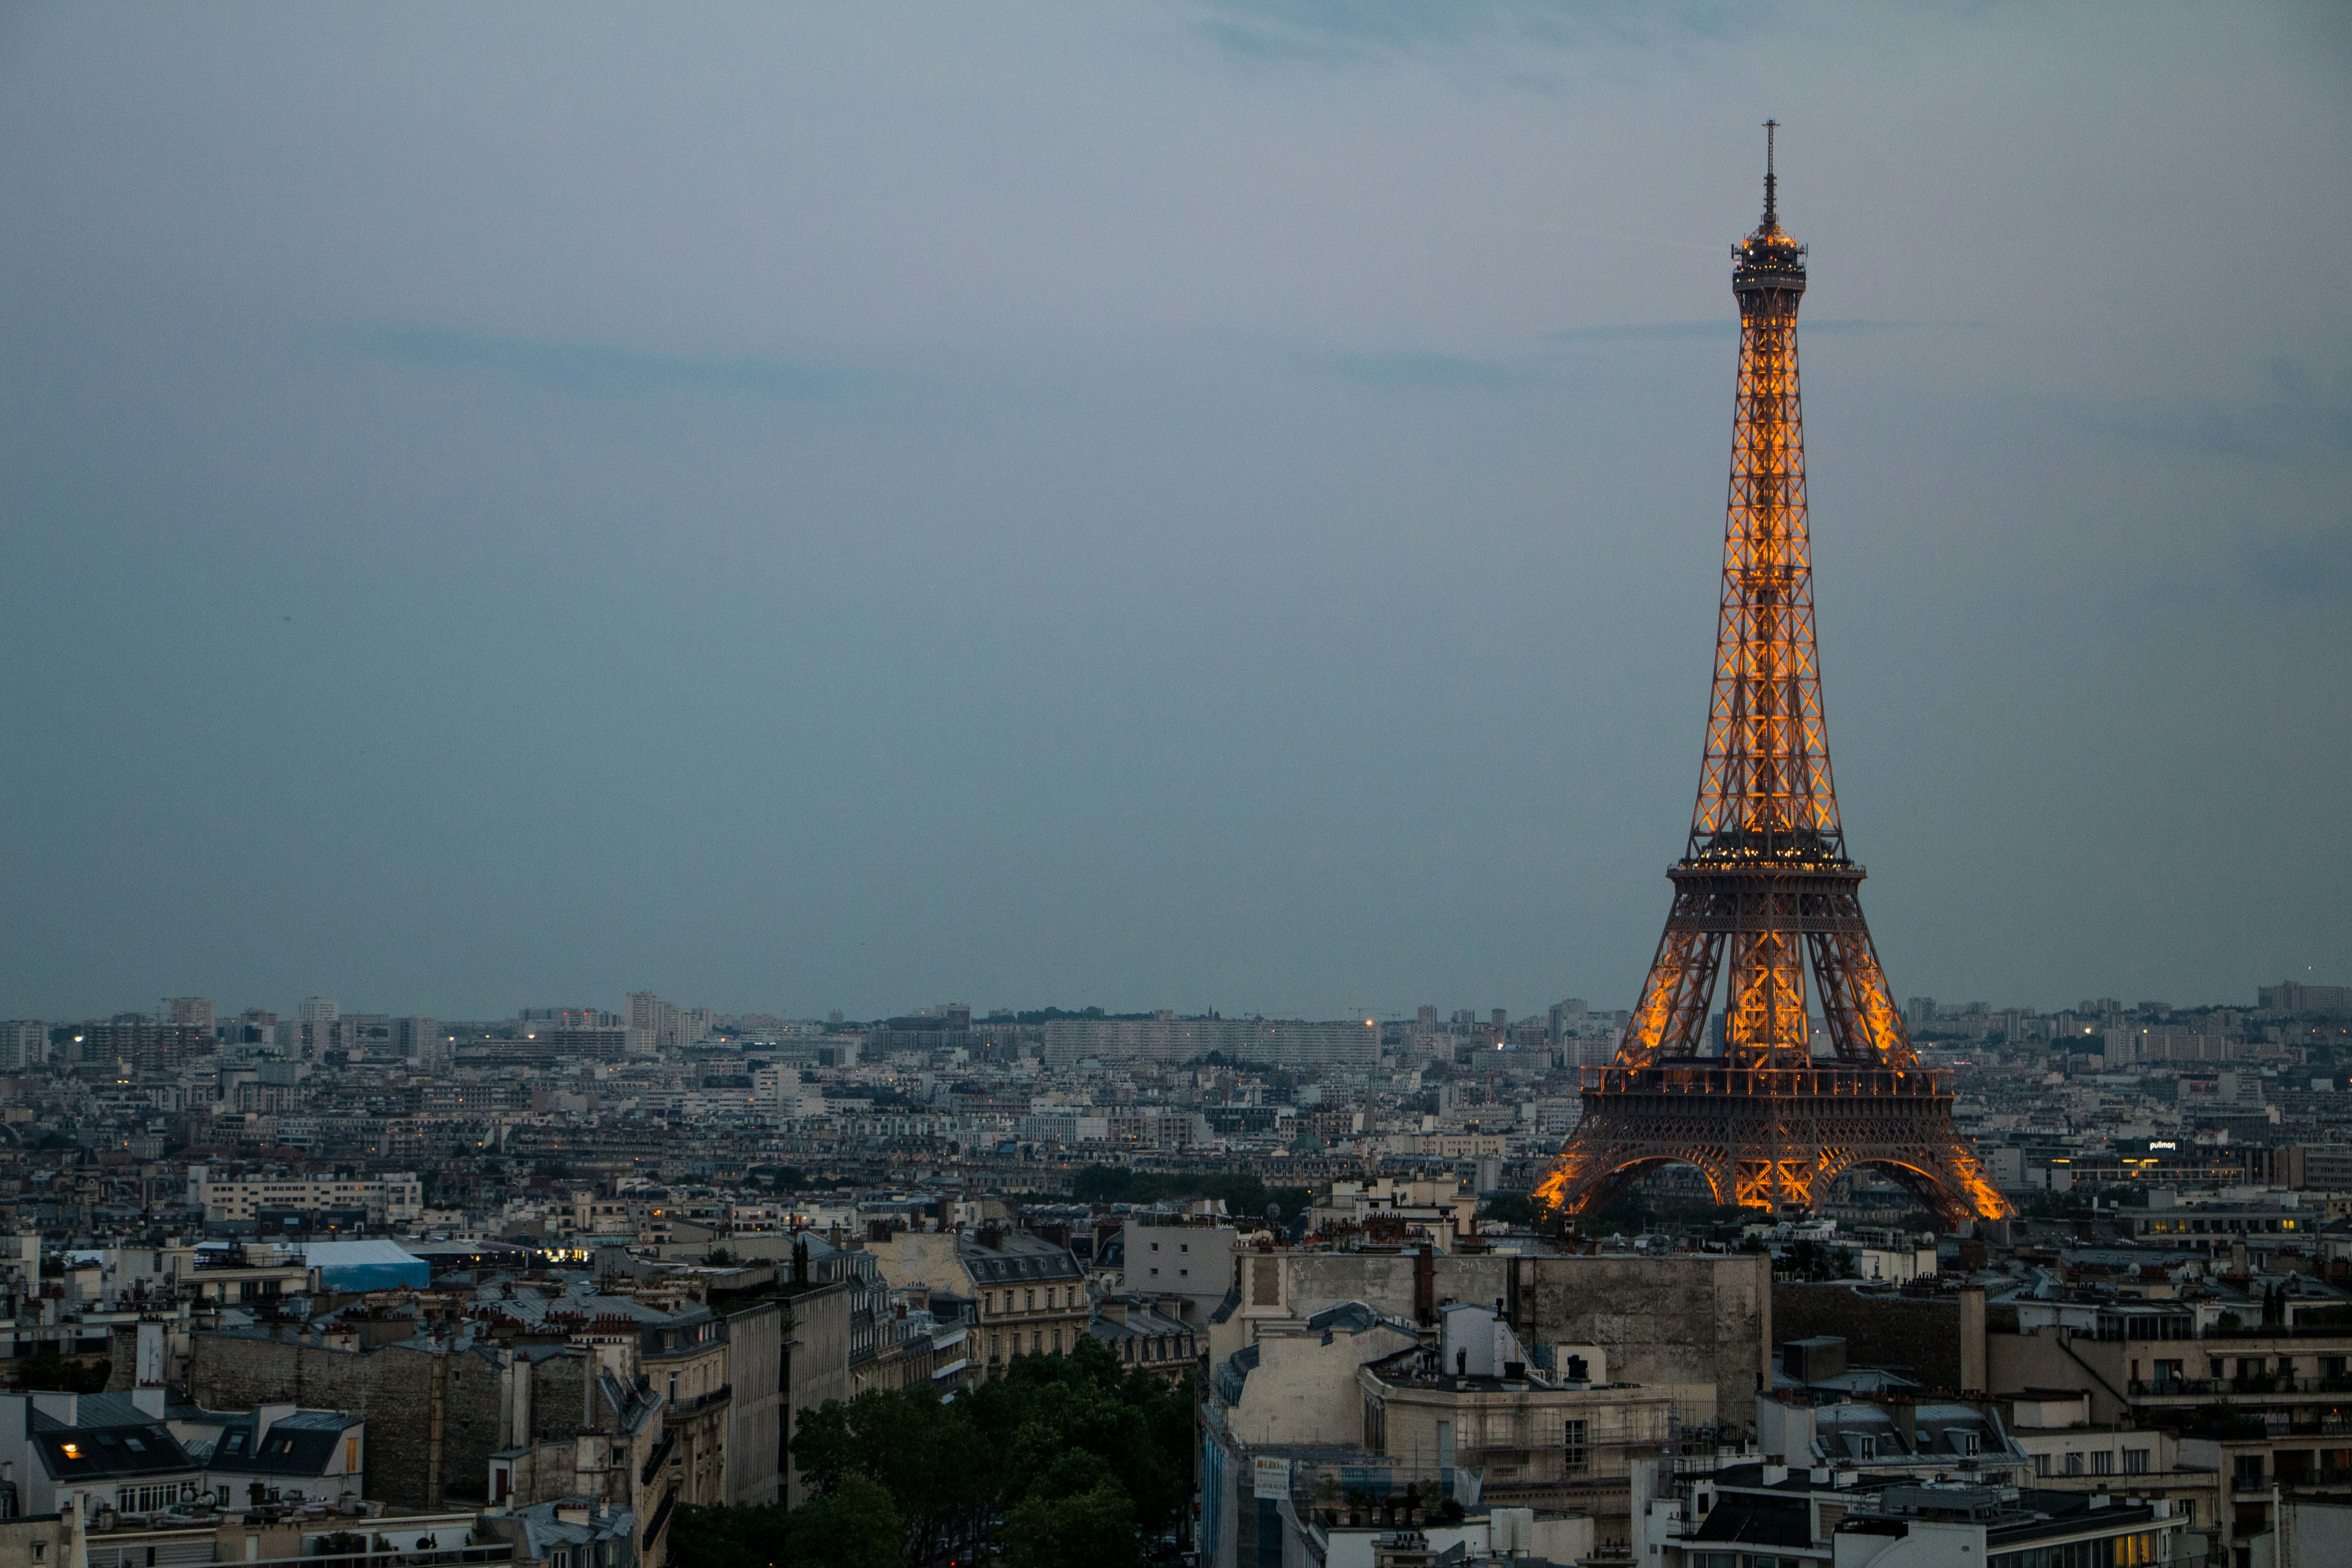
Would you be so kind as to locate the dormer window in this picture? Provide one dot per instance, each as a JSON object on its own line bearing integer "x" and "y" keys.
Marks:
{"x": 1865, "y": 1448}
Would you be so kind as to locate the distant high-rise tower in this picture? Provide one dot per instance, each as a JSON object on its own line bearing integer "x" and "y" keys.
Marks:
{"x": 1764, "y": 892}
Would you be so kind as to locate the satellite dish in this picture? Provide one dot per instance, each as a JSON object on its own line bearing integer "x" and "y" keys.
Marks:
{"x": 1273, "y": 1214}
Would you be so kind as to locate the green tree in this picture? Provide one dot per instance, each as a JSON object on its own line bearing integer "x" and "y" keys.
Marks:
{"x": 922, "y": 1452}
{"x": 1513, "y": 1208}
{"x": 1050, "y": 1435}
{"x": 856, "y": 1527}
{"x": 1246, "y": 1197}
{"x": 48, "y": 1370}
{"x": 1627, "y": 1214}
{"x": 1094, "y": 1529}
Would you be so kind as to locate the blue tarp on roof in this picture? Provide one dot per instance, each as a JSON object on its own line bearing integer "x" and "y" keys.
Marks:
{"x": 364, "y": 1265}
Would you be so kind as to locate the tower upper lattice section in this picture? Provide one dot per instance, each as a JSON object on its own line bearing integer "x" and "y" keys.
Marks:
{"x": 1765, "y": 789}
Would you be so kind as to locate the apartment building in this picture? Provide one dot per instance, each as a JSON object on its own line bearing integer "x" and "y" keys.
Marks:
{"x": 1032, "y": 1293}
{"x": 388, "y": 1199}
{"x": 1472, "y": 1400}
{"x": 2261, "y": 1406}
{"x": 1743, "y": 1515}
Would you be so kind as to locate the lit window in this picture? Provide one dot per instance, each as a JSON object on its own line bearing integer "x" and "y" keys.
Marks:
{"x": 73, "y": 1450}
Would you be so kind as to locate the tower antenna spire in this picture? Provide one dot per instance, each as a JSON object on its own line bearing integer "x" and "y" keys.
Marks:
{"x": 1771, "y": 221}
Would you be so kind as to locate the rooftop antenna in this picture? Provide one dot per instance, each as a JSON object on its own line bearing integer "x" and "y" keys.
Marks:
{"x": 1769, "y": 220}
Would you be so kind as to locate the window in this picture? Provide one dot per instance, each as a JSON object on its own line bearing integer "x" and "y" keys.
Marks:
{"x": 1865, "y": 1447}
{"x": 1031, "y": 1296}
{"x": 2073, "y": 1464}
{"x": 1574, "y": 1450}
{"x": 1265, "y": 1282}
{"x": 2135, "y": 1461}
{"x": 1968, "y": 1443}
{"x": 2103, "y": 1463}
{"x": 2040, "y": 1464}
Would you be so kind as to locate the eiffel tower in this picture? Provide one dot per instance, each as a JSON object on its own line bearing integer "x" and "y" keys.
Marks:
{"x": 1765, "y": 891}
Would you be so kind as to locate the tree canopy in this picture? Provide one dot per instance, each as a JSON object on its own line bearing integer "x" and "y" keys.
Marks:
{"x": 1245, "y": 1197}
{"x": 1085, "y": 1459}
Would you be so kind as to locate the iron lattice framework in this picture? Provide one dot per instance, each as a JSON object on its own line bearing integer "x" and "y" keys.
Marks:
{"x": 1765, "y": 893}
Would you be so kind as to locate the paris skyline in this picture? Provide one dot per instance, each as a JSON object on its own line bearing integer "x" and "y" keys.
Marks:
{"x": 1153, "y": 507}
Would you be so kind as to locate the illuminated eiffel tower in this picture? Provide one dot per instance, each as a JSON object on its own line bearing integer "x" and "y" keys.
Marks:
{"x": 1765, "y": 891}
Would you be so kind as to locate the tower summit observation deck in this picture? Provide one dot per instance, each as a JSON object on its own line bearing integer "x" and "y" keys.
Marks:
{"x": 1765, "y": 894}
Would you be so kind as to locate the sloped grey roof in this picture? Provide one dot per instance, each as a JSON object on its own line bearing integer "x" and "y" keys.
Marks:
{"x": 1758, "y": 1521}
{"x": 1142, "y": 1322}
{"x": 105, "y": 1443}
{"x": 1346, "y": 1318}
{"x": 1019, "y": 1258}
{"x": 542, "y": 1530}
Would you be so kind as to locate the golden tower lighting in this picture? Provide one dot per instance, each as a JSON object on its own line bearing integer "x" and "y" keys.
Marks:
{"x": 1765, "y": 894}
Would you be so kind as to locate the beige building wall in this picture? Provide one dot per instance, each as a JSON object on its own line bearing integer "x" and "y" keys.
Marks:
{"x": 757, "y": 1412}
{"x": 815, "y": 1366}
{"x": 1700, "y": 1326}
{"x": 1304, "y": 1391}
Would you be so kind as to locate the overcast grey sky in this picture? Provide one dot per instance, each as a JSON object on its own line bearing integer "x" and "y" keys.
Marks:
{"x": 1160, "y": 505}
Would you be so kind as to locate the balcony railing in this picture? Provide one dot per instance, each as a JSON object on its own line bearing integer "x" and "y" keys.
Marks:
{"x": 2247, "y": 1485}
{"x": 498, "y": 1552}
{"x": 661, "y": 1516}
{"x": 2230, "y": 1387}
{"x": 719, "y": 1395}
